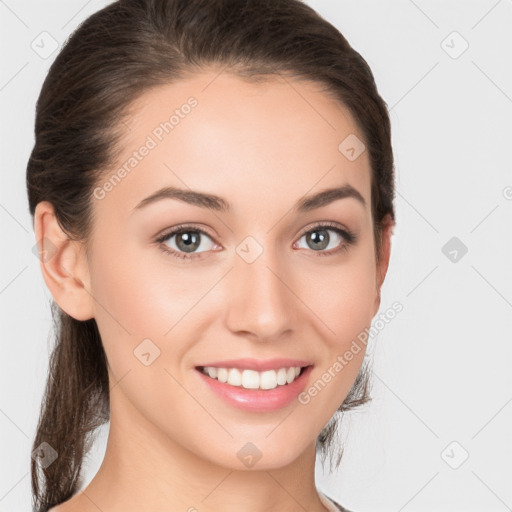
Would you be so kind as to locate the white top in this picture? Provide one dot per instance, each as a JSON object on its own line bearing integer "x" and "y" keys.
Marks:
{"x": 327, "y": 503}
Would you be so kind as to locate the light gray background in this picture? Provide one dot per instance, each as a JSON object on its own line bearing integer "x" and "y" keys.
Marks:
{"x": 442, "y": 371}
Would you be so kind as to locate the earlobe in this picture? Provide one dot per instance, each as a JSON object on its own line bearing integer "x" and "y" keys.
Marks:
{"x": 63, "y": 264}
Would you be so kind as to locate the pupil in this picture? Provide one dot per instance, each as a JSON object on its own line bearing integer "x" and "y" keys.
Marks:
{"x": 187, "y": 242}
{"x": 321, "y": 241}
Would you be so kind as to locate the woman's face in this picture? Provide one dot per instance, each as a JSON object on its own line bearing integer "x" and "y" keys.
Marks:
{"x": 260, "y": 283}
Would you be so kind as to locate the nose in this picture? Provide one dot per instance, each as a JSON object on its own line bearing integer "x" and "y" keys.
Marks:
{"x": 262, "y": 302}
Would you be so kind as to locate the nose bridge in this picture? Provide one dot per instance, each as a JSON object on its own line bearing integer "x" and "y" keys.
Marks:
{"x": 261, "y": 302}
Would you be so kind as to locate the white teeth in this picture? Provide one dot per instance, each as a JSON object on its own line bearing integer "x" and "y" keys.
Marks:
{"x": 268, "y": 379}
{"x": 234, "y": 377}
{"x": 281, "y": 376}
{"x": 251, "y": 379}
{"x": 222, "y": 375}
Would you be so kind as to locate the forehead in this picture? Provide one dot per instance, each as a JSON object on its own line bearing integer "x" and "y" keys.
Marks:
{"x": 215, "y": 132}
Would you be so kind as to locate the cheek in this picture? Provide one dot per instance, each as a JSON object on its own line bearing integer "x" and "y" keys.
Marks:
{"x": 129, "y": 306}
{"x": 344, "y": 298}
{"x": 141, "y": 296}
{"x": 132, "y": 288}
{"x": 345, "y": 306}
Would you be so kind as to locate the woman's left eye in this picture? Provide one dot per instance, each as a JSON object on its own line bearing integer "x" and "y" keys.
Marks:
{"x": 190, "y": 239}
{"x": 319, "y": 238}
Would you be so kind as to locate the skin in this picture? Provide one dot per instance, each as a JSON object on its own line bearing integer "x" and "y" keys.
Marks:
{"x": 173, "y": 443}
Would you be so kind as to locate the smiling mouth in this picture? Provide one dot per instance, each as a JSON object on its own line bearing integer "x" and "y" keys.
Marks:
{"x": 252, "y": 379}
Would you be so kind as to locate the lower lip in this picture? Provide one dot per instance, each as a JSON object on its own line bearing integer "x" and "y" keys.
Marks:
{"x": 258, "y": 400}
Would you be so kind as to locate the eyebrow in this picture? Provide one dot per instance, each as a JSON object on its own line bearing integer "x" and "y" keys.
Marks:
{"x": 216, "y": 203}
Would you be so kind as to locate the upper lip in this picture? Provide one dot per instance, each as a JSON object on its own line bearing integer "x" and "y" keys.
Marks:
{"x": 257, "y": 364}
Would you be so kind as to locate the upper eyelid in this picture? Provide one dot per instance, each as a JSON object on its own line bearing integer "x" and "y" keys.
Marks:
{"x": 325, "y": 223}
{"x": 183, "y": 228}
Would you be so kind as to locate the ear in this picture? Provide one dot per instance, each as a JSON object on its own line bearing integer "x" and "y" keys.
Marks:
{"x": 383, "y": 262}
{"x": 63, "y": 264}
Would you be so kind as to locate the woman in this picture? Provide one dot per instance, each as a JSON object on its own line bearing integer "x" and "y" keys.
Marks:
{"x": 212, "y": 193}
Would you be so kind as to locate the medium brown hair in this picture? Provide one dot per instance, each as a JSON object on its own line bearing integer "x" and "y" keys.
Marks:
{"x": 112, "y": 58}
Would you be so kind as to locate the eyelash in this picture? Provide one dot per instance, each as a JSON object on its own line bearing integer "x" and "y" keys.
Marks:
{"x": 350, "y": 239}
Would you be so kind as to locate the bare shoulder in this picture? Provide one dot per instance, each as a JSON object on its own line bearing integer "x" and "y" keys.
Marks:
{"x": 67, "y": 506}
{"x": 63, "y": 507}
{"x": 59, "y": 508}
{"x": 76, "y": 503}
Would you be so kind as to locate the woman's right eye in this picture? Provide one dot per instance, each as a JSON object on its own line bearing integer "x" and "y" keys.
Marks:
{"x": 187, "y": 241}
